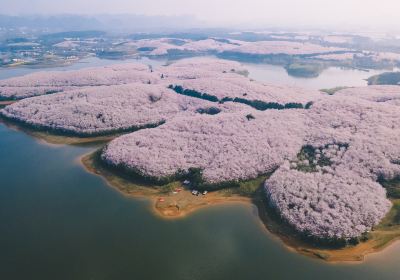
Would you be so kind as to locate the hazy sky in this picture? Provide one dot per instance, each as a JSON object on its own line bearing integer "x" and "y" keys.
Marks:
{"x": 370, "y": 13}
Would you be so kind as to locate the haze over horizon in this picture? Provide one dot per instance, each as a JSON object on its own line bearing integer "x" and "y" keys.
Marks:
{"x": 341, "y": 14}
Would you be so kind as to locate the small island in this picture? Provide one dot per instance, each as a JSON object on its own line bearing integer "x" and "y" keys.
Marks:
{"x": 323, "y": 169}
{"x": 387, "y": 78}
{"x": 304, "y": 70}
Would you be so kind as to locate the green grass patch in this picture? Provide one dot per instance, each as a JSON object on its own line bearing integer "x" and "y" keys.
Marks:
{"x": 304, "y": 70}
{"x": 392, "y": 187}
{"x": 393, "y": 217}
{"x": 310, "y": 158}
{"x": 332, "y": 91}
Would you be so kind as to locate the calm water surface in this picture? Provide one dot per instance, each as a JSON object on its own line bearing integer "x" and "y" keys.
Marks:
{"x": 329, "y": 78}
{"x": 59, "y": 222}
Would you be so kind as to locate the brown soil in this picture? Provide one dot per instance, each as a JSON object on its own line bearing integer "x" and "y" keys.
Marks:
{"x": 49, "y": 138}
{"x": 5, "y": 103}
{"x": 168, "y": 203}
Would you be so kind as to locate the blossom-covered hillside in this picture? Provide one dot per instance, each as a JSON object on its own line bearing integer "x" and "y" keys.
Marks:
{"x": 329, "y": 189}
{"x": 194, "y": 68}
{"x": 336, "y": 56}
{"x": 227, "y": 146}
{"x": 107, "y": 75}
{"x": 94, "y": 104}
{"x": 284, "y": 47}
{"x": 165, "y": 46}
{"x": 21, "y": 92}
{"x": 106, "y": 109}
{"x": 328, "y": 158}
{"x": 327, "y": 152}
{"x": 327, "y": 206}
{"x": 40, "y": 83}
{"x": 234, "y": 86}
{"x": 381, "y": 94}
{"x": 48, "y": 82}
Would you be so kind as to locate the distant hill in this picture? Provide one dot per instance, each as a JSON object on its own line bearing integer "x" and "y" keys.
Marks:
{"x": 54, "y": 38}
{"x": 121, "y": 23}
{"x": 51, "y": 23}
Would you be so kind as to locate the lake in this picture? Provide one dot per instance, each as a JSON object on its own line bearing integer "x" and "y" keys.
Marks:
{"x": 58, "y": 221}
{"x": 329, "y": 78}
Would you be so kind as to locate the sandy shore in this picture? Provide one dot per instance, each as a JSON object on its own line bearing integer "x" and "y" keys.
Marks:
{"x": 380, "y": 238}
{"x": 54, "y": 139}
{"x": 177, "y": 202}
{"x": 5, "y": 103}
{"x": 172, "y": 204}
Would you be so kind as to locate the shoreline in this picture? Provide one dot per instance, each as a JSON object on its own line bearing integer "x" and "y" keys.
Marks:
{"x": 355, "y": 254}
{"x": 61, "y": 136}
{"x": 56, "y": 139}
{"x": 171, "y": 208}
{"x": 167, "y": 204}
{"x": 5, "y": 103}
